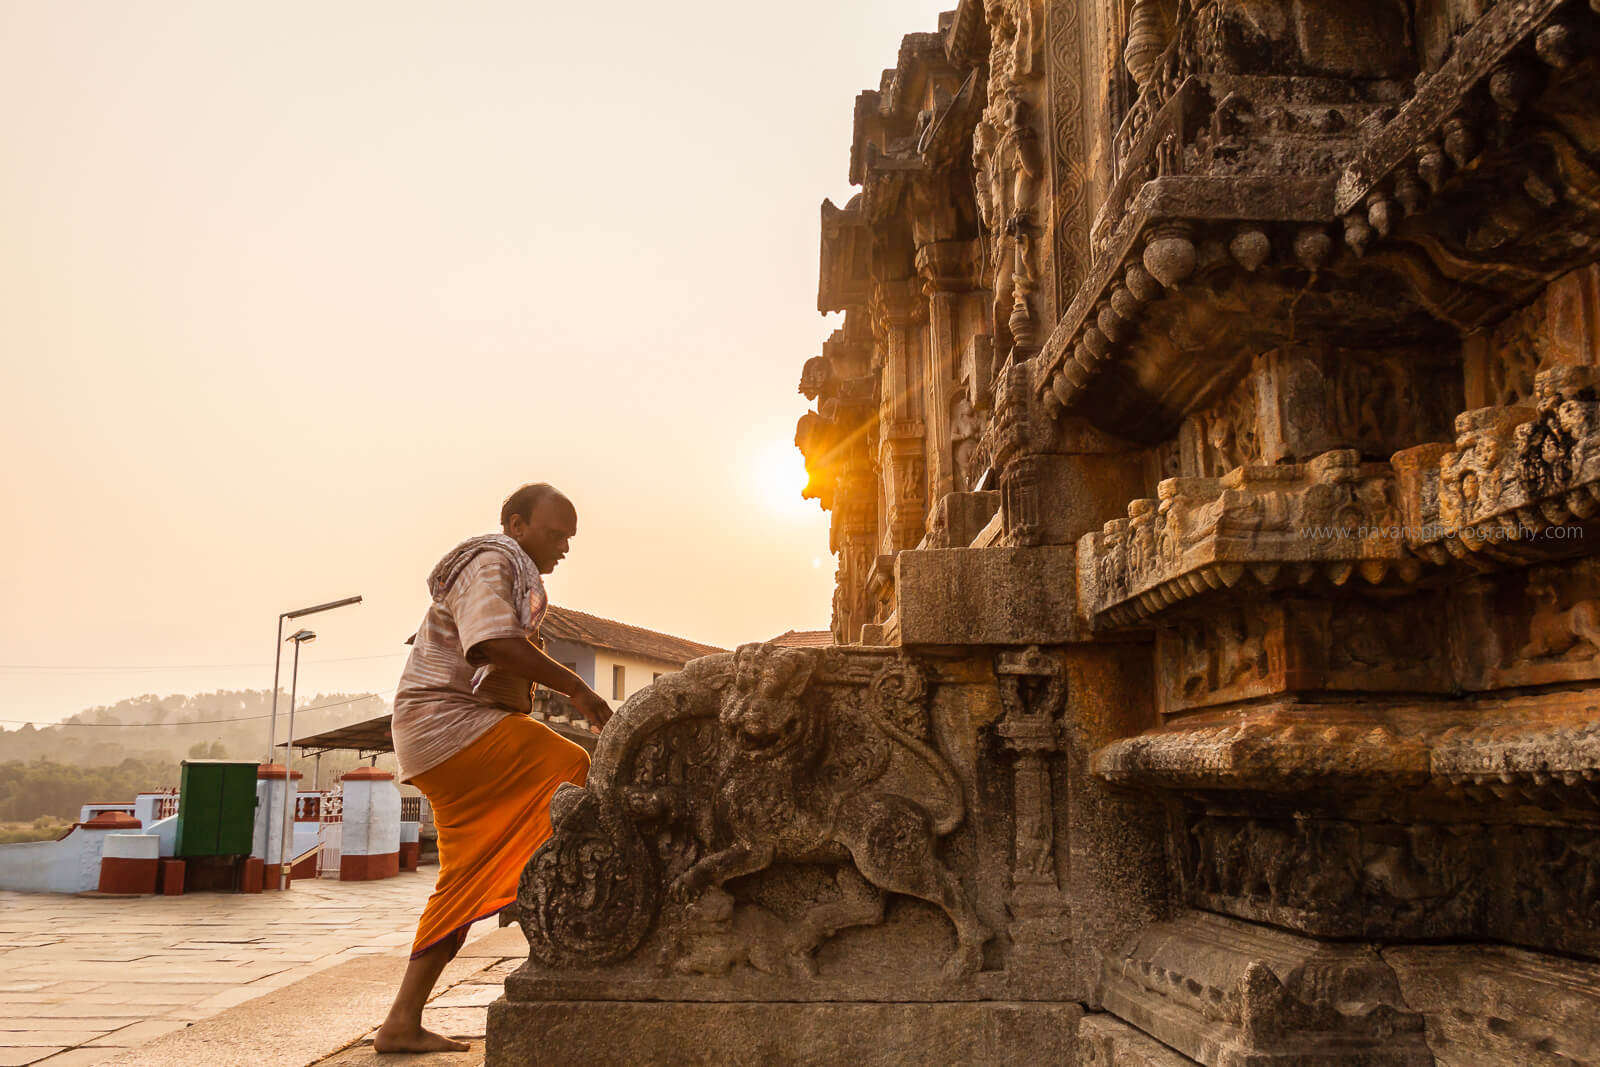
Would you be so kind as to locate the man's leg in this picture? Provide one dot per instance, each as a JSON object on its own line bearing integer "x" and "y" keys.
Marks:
{"x": 402, "y": 1031}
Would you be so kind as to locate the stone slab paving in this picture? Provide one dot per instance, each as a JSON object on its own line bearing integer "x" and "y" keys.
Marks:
{"x": 329, "y": 1017}
{"x": 84, "y": 979}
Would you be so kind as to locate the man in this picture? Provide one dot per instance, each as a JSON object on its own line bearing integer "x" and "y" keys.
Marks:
{"x": 463, "y": 736}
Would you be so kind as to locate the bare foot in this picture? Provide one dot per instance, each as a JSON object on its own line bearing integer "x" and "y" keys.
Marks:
{"x": 413, "y": 1039}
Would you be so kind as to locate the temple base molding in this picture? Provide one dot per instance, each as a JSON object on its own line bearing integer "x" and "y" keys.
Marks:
{"x": 819, "y": 1034}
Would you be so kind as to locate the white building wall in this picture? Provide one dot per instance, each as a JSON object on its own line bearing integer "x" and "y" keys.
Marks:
{"x": 638, "y": 673}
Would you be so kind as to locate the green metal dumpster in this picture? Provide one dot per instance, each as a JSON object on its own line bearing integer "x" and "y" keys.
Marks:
{"x": 216, "y": 808}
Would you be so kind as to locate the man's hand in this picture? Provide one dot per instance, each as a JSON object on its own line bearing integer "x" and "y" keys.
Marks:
{"x": 592, "y": 706}
{"x": 520, "y": 658}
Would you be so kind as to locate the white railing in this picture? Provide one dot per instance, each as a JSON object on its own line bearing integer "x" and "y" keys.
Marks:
{"x": 166, "y": 805}
{"x": 330, "y": 833}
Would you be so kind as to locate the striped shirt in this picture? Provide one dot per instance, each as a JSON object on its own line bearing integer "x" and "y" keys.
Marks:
{"x": 437, "y": 712}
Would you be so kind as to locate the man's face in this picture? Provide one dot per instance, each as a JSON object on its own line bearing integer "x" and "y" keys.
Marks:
{"x": 544, "y": 534}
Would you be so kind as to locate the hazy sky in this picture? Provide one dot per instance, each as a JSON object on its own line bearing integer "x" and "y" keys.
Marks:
{"x": 292, "y": 294}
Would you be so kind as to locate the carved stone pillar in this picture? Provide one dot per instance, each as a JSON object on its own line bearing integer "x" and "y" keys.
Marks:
{"x": 1014, "y": 443}
{"x": 896, "y": 308}
{"x": 902, "y": 461}
{"x": 905, "y": 480}
{"x": 946, "y": 269}
{"x": 855, "y": 537}
{"x": 1033, "y": 691}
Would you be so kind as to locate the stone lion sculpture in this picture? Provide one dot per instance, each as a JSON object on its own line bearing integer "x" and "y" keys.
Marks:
{"x": 740, "y": 763}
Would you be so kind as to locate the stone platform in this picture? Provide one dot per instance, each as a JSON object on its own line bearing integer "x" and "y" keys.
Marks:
{"x": 818, "y": 1034}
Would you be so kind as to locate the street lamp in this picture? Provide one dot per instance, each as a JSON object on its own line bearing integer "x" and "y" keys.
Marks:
{"x": 277, "y": 661}
{"x": 285, "y": 851}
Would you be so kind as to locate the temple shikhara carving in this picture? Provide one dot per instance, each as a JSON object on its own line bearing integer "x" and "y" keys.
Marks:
{"x": 1212, "y": 448}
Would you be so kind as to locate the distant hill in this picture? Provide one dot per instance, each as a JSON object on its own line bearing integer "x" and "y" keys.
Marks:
{"x": 138, "y": 743}
{"x": 167, "y": 727}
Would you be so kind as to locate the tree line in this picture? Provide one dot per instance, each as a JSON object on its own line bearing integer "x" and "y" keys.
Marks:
{"x": 112, "y": 752}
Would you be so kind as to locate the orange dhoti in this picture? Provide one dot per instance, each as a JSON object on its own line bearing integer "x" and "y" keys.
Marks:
{"x": 491, "y": 808}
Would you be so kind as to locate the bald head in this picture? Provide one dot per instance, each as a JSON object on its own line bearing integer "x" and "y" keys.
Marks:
{"x": 542, "y": 520}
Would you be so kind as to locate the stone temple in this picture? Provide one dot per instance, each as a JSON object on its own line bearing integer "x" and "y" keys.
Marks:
{"x": 1212, "y": 447}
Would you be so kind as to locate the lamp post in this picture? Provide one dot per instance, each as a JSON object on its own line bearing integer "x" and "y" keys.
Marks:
{"x": 285, "y": 849}
{"x": 277, "y": 662}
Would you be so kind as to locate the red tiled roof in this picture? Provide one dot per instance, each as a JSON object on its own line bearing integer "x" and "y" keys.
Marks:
{"x": 803, "y": 639}
{"x": 585, "y": 629}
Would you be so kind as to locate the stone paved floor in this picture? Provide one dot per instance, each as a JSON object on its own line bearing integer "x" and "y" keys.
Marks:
{"x": 83, "y": 979}
{"x": 461, "y": 1011}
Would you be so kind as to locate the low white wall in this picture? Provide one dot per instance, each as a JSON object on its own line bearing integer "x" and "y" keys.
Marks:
{"x": 371, "y": 818}
{"x": 305, "y": 837}
{"x": 410, "y": 833}
{"x": 167, "y": 831}
{"x": 71, "y": 865}
{"x": 131, "y": 846}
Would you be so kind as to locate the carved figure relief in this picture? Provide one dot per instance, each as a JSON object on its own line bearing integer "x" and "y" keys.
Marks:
{"x": 1329, "y": 876}
{"x": 1033, "y": 691}
{"x": 1009, "y": 167}
{"x": 1554, "y": 633}
{"x": 834, "y": 777}
{"x": 964, "y": 430}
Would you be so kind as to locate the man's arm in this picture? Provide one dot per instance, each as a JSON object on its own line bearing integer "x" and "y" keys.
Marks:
{"x": 516, "y": 656}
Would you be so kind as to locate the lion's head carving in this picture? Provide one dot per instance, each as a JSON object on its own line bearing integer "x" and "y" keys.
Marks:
{"x": 762, "y": 711}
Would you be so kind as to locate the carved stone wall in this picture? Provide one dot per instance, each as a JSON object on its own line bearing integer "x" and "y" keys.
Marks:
{"x": 1212, "y": 444}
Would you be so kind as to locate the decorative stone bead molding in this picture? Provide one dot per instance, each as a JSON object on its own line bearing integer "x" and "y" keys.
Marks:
{"x": 1233, "y": 994}
{"x": 1288, "y": 524}
{"x": 1541, "y": 752}
{"x": 1515, "y": 476}
{"x": 1269, "y": 752}
{"x": 1466, "y": 197}
{"x": 1491, "y": 75}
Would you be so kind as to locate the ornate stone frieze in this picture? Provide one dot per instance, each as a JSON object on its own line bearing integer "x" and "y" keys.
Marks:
{"x": 743, "y": 812}
{"x": 1329, "y": 519}
{"x": 1519, "y": 481}
{"x": 1560, "y": 328}
{"x": 1297, "y": 402}
{"x": 1254, "y": 648}
{"x": 1533, "y": 750}
{"x": 1410, "y": 880}
{"x": 1235, "y": 181}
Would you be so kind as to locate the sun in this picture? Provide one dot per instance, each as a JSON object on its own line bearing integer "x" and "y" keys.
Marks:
{"x": 779, "y": 474}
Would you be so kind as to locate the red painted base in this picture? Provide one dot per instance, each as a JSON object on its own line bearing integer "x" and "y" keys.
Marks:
{"x": 128, "y": 876}
{"x": 410, "y": 855}
{"x": 172, "y": 877}
{"x": 367, "y": 868}
{"x": 252, "y": 875}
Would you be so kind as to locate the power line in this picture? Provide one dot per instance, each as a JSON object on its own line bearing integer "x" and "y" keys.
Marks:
{"x": 86, "y": 669}
{"x": 201, "y": 722}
